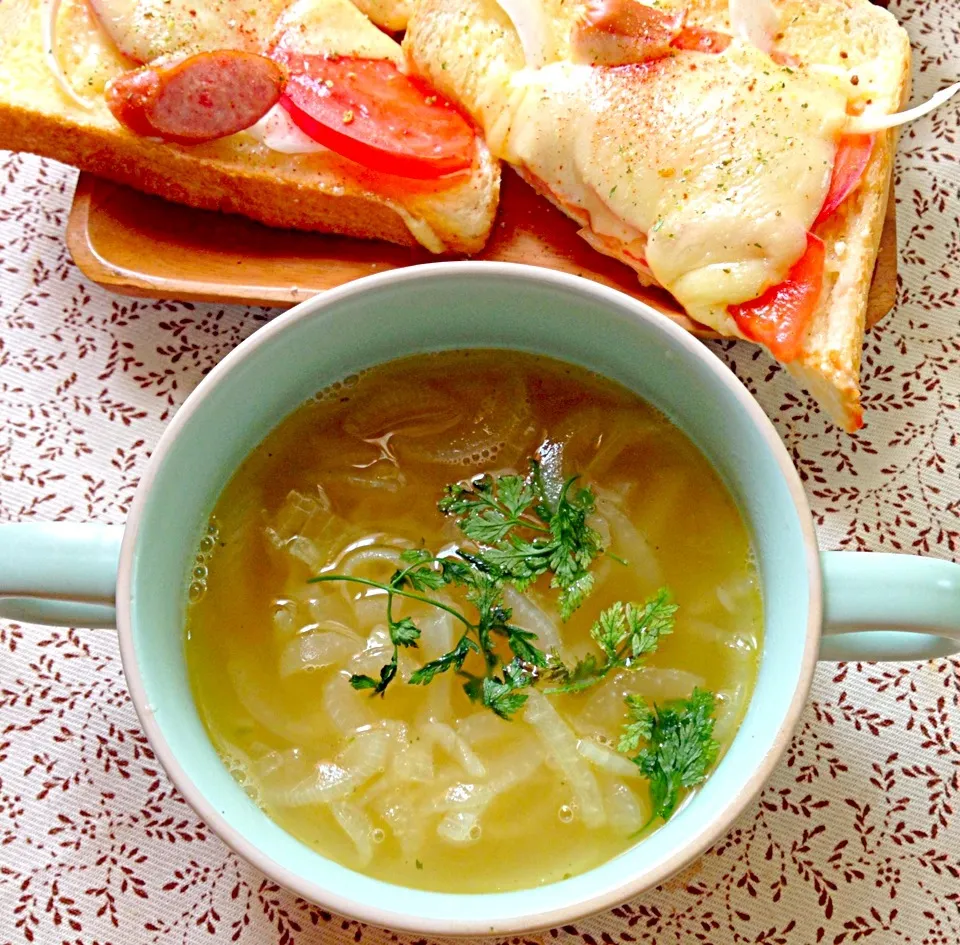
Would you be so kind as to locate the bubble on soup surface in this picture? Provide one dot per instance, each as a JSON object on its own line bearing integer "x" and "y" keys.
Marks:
{"x": 197, "y": 590}
{"x": 239, "y": 766}
{"x": 566, "y": 814}
{"x": 330, "y": 392}
{"x": 378, "y": 835}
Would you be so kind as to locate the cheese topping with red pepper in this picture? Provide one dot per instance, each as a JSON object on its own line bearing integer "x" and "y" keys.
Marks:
{"x": 721, "y": 163}
{"x": 705, "y": 143}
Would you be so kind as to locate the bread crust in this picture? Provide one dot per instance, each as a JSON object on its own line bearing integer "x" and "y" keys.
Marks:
{"x": 318, "y": 192}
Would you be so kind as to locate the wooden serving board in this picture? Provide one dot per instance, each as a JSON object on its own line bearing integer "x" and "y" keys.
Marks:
{"x": 140, "y": 245}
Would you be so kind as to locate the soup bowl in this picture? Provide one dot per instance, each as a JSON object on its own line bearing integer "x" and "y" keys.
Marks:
{"x": 826, "y": 606}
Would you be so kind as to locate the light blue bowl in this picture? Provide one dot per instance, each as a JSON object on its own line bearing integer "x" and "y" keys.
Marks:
{"x": 69, "y": 573}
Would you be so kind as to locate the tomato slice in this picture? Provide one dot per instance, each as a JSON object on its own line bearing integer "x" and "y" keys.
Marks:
{"x": 701, "y": 40}
{"x": 853, "y": 155}
{"x": 370, "y": 112}
{"x": 779, "y": 317}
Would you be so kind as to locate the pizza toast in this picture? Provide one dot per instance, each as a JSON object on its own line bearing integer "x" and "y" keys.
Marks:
{"x": 702, "y": 161}
{"x": 246, "y": 172}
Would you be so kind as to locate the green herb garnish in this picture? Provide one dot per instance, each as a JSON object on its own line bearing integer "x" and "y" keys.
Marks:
{"x": 502, "y": 693}
{"x": 524, "y": 531}
{"x": 678, "y": 745}
{"x": 518, "y": 530}
{"x": 625, "y": 633}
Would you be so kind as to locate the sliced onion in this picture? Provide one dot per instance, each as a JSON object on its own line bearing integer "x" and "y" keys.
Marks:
{"x": 406, "y": 823}
{"x": 729, "y": 711}
{"x": 345, "y": 708}
{"x": 604, "y": 711}
{"x": 388, "y": 556}
{"x": 306, "y": 528}
{"x": 529, "y": 616}
{"x": 366, "y": 755}
{"x": 493, "y": 436}
{"x": 460, "y": 827}
{"x": 297, "y": 730}
{"x": 736, "y": 591}
{"x": 436, "y": 632}
{"x": 296, "y": 514}
{"x": 377, "y": 476}
{"x": 627, "y": 542}
{"x": 327, "y": 644}
{"x": 285, "y": 618}
{"x": 561, "y": 745}
{"x": 444, "y": 737}
{"x": 414, "y": 762}
{"x": 530, "y": 22}
{"x": 379, "y": 650}
{"x": 328, "y": 782}
{"x": 49, "y": 36}
{"x": 550, "y": 454}
{"x": 277, "y": 131}
{"x": 464, "y": 796}
{"x": 754, "y": 21}
{"x": 483, "y": 726}
{"x": 661, "y": 684}
{"x": 436, "y": 638}
{"x": 437, "y": 701}
{"x": 388, "y": 413}
{"x": 516, "y": 766}
{"x": 869, "y": 122}
{"x": 624, "y": 810}
{"x": 606, "y": 759}
{"x": 357, "y": 826}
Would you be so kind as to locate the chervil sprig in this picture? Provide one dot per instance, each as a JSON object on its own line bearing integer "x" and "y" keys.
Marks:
{"x": 679, "y": 745}
{"x": 520, "y": 528}
{"x": 522, "y": 533}
{"x": 625, "y": 633}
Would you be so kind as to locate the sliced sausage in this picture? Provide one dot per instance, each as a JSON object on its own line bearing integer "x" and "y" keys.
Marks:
{"x": 200, "y": 98}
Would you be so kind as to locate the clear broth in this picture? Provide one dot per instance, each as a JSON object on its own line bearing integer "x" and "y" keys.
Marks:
{"x": 381, "y": 446}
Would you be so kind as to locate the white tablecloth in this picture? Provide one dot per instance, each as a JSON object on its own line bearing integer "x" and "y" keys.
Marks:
{"x": 857, "y": 834}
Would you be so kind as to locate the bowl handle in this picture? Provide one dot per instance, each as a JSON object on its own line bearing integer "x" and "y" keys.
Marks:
{"x": 60, "y": 573}
{"x": 889, "y": 607}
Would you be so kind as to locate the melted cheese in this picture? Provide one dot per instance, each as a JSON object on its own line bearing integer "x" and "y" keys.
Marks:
{"x": 147, "y": 29}
{"x": 721, "y": 163}
{"x": 88, "y": 57}
{"x": 706, "y": 170}
{"x": 312, "y": 26}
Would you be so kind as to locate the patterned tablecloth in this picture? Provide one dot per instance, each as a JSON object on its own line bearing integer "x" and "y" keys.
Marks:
{"x": 856, "y": 837}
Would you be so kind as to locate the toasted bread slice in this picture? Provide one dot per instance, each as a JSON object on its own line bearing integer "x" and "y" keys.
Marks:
{"x": 849, "y": 50}
{"x": 237, "y": 174}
